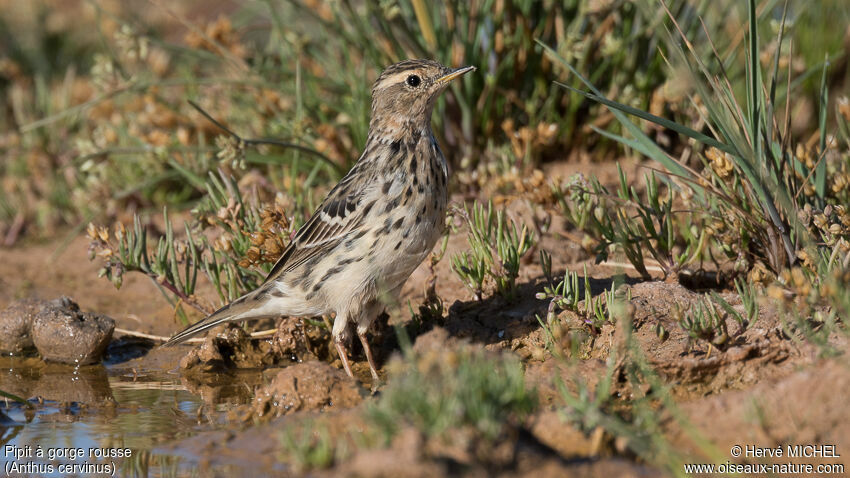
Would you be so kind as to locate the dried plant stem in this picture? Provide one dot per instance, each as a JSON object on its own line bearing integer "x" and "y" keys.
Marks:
{"x": 197, "y": 340}
{"x": 188, "y": 300}
{"x": 626, "y": 265}
{"x": 268, "y": 141}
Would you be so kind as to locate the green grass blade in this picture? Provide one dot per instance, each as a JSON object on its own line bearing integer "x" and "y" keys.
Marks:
{"x": 820, "y": 169}
{"x": 754, "y": 92}
{"x": 679, "y": 128}
{"x": 12, "y": 396}
{"x": 196, "y": 181}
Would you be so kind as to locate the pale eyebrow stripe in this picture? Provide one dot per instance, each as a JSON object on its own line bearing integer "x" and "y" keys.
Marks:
{"x": 398, "y": 78}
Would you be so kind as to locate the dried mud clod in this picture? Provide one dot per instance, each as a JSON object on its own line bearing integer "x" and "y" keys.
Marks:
{"x": 746, "y": 357}
{"x": 294, "y": 341}
{"x": 435, "y": 340}
{"x": 61, "y": 332}
{"x": 413, "y": 453}
{"x": 16, "y": 326}
{"x": 310, "y": 386}
{"x": 233, "y": 349}
{"x": 298, "y": 341}
{"x": 404, "y": 457}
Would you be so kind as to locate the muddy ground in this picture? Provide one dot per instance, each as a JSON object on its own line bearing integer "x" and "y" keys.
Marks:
{"x": 765, "y": 388}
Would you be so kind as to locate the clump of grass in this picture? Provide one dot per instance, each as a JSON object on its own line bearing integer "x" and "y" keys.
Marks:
{"x": 637, "y": 225}
{"x": 497, "y": 246}
{"x": 815, "y": 306}
{"x": 439, "y": 392}
{"x": 574, "y": 294}
{"x": 703, "y": 322}
{"x": 231, "y": 240}
{"x": 97, "y": 119}
{"x": 754, "y": 181}
{"x": 773, "y": 204}
{"x": 446, "y": 389}
{"x": 756, "y": 200}
{"x": 748, "y": 294}
{"x": 563, "y": 295}
{"x": 114, "y": 130}
{"x": 499, "y": 39}
{"x": 308, "y": 447}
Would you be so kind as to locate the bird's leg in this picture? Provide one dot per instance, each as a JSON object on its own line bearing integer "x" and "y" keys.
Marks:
{"x": 368, "y": 352}
{"x": 343, "y": 355}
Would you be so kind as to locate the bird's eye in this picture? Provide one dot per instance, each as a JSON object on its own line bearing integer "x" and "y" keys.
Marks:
{"x": 413, "y": 81}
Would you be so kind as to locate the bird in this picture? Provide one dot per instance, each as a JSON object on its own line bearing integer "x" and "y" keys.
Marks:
{"x": 382, "y": 219}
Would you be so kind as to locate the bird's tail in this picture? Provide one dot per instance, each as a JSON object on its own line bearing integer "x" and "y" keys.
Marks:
{"x": 249, "y": 306}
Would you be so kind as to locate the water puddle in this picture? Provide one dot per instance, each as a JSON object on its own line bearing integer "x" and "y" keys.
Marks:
{"x": 103, "y": 420}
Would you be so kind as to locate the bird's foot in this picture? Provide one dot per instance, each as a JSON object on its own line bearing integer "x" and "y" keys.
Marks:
{"x": 343, "y": 356}
{"x": 368, "y": 351}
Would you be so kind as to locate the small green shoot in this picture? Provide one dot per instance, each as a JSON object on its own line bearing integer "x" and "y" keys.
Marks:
{"x": 454, "y": 388}
{"x": 496, "y": 249}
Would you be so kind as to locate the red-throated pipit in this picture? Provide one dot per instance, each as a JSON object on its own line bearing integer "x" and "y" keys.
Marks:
{"x": 373, "y": 228}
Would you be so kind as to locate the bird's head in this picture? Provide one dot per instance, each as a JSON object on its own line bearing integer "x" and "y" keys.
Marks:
{"x": 404, "y": 94}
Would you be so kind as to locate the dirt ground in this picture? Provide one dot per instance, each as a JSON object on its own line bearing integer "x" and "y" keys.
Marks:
{"x": 764, "y": 389}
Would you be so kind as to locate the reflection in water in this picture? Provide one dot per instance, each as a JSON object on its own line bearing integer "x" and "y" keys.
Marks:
{"x": 101, "y": 413}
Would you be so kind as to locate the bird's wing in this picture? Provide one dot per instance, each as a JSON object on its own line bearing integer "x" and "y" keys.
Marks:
{"x": 339, "y": 214}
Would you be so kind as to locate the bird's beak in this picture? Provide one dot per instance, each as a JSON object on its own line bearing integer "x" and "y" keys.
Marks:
{"x": 445, "y": 79}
